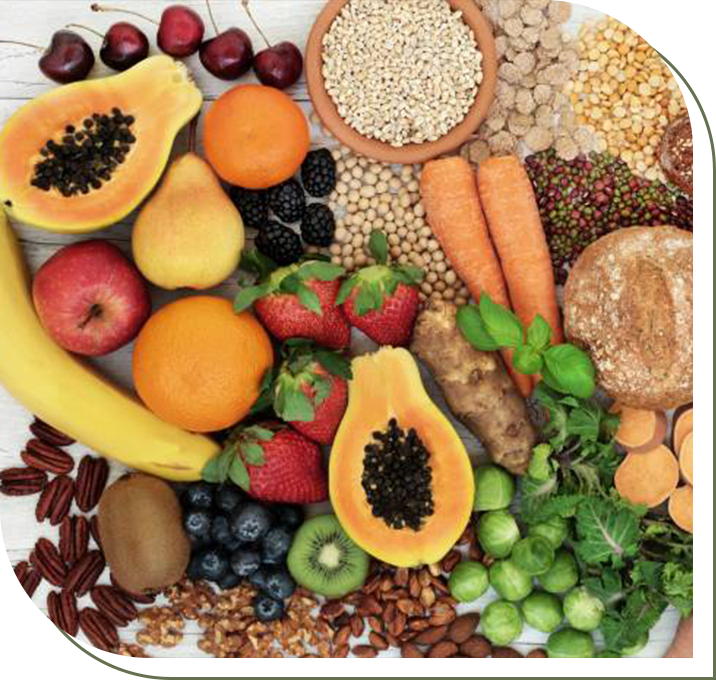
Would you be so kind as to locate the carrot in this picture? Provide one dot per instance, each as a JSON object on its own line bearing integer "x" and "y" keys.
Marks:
{"x": 639, "y": 430}
{"x": 449, "y": 195}
{"x": 647, "y": 478}
{"x": 686, "y": 458}
{"x": 514, "y": 224}
{"x": 681, "y": 508}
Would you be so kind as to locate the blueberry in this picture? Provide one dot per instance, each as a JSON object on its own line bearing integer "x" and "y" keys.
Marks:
{"x": 193, "y": 571}
{"x": 199, "y": 495}
{"x": 267, "y": 609}
{"x": 220, "y": 530}
{"x": 258, "y": 579}
{"x": 229, "y": 581}
{"x": 198, "y": 542}
{"x": 234, "y": 544}
{"x": 213, "y": 564}
{"x": 275, "y": 545}
{"x": 197, "y": 522}
{"x": 245, "y": 562}
{"x": 279, "y": 583}
{"x": 228, "y": 497}
{"x": 250, "y": 522}
{"x": 290, "y": 516}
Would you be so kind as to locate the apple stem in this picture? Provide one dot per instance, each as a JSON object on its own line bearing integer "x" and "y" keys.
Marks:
{"x": 245, "y": 5}
{"x": 192, "y": 133}
{"x": 94, "y": 312}
{"x": 211, "y": 16}
{"x": 96, "y": 7}
{"x": 86, "y": 28}
{"x": 22, "y": 44}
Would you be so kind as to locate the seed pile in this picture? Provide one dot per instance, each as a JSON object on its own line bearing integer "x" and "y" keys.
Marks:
{"x": 397, "y": 479}
{"x": 401, "y": 72}
{"x": 584, "y": 199}
{"x": 537, "y": 59}
{"x": 626, "y": 94}
{"x": 85, "y": 158}
{"x": 377, "y": 196}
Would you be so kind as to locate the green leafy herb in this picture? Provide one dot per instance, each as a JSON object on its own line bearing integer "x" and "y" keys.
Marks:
{"x": 539, "y": 334}
{"x": 473, "y": 329}
{"x": 526, "y": 360}
{"x": 572, "y": 369}
{"x": 502, "y": 324}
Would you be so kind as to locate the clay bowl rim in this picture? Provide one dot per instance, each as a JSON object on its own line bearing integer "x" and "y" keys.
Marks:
{"x": 410, "y": 153}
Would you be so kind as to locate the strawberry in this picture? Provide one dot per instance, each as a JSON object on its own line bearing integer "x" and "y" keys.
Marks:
{"x": 300, "y": 302}
{"x": 272, "y": 463}
{"x": 311, "y": 391}
{"x": 382, "y": 300}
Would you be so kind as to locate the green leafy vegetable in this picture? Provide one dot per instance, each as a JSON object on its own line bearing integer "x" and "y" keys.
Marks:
{"x": 473, "y": 329}
{"x": 502, "y": 324}
{"x": 572, "y": 370}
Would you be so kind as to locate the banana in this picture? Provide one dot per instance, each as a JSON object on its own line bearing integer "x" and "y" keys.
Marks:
{"x": 73, "y": 397}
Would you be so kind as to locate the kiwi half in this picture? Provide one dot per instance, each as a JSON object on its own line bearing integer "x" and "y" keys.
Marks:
{"x": 325, "y": 560}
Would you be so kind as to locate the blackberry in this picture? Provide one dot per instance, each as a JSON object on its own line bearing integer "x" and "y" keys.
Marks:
{"x": 288, "y": 201}
{"x": 280, "y": 243}
{"x": 318, "y": 225}
{"x": 253, "y": 206}
{"x": 318, "y": 173}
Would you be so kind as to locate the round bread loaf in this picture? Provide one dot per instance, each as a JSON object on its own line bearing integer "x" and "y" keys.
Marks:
{"x": 629, "y": 303}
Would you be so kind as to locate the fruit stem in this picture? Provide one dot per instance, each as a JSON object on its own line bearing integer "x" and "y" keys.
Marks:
{"x": 22, "y": 44}
{"x": 94, "y": 312}
{"x": 96, "y": 7}
{"x": 86, "y": 28}
{"x": 192, "y": 133}
{"x": 211, "y": 16}
{"x": 245, "y": 5}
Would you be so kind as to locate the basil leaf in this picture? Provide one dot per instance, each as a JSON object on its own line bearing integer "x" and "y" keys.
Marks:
{"x": 504, "y": 327}
{"x": 526, "y": 360}
{"x": 239, "y": 475}
{"x": 378, "y": 246}
{"x": 539, "y": 334}
{"x": 253, "y": 453}
{"x": 470, "y": 324}
{"x": 247, "y": 296}
{"x": 309, "y": 299}
{"x": 571, "y": 369}
{"x": 346, "y": 289}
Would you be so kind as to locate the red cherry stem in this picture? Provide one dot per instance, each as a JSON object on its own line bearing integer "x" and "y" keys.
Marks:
{"x": 245, "y": 5}
{"x": 211, "y": 16}
{"x": 96, "y": 7}
{"x": 86, "y": 28}
{"x": 22, "y": 44}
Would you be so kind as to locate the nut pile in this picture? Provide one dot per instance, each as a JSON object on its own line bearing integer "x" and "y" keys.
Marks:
{"x": 401, "y": 72}
{"x": 626, "y": 94}
{"x": 377, "y": 196}
{"x": 537, "y": 60}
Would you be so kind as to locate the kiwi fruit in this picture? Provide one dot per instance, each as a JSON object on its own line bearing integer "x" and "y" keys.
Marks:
{"x": 325, "y": 560}
{"x": 140, "y": 525}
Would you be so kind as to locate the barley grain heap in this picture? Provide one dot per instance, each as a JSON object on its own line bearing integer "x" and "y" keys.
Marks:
{"x": 401, "y": 72}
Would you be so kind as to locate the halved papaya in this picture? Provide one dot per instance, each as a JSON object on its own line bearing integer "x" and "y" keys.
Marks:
{"x": 83, "y": 156}
{"x": 383, "y": 510}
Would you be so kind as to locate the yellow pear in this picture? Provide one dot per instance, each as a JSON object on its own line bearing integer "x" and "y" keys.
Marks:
{"x": 189, "y": 234}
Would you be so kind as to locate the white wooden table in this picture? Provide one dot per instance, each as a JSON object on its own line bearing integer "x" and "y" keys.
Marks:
{"x": 34, "y": 21}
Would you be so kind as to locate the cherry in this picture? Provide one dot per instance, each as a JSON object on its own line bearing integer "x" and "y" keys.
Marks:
{"x": 67, "y": 59}
{"x": 123, "y": 46}
{"x": 279, "y": 65}
{"x": 229, "y": 55}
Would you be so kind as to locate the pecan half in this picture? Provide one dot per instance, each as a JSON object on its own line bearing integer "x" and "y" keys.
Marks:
{"x": 92, "y": 476}
{"x": 100, "y": 631}
{"x": 364, "y": 652}
{"x": 139, "y": 598}
{"x": 22, "y": 481}
{"x": 56, "y": 500}
{"x": 342, "y": 636}
{"x": 377, "y": 641}
{"x": 74, "y": 538}
{"x": 43, "y": 456}
{"x": 83, "y": 575}
{"x": 114, "y": 604}
{"x": 450, "y": 561}
{"x": 62, "y": 610}
{"x": 411, "y": 651}
{"x": 340, "y": 651}
{"x": 357, "y": 625}
{"x": 29, "y": 578}
{"x": 94, "y": 530}
{"x": 46, "y": 559}
{"x": 49, "y": 434}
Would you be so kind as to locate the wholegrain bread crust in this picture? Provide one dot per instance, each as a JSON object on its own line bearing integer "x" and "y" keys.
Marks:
{"x": 629, "y": 302}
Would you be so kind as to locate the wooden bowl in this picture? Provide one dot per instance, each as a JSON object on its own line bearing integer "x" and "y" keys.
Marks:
{"x": 410, "y": 153}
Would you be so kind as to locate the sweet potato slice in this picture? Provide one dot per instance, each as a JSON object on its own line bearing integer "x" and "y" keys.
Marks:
{"x": 640, "y": 430}
{"x": 647, "y": 478}
{"x": 683, "y": 424}
{"x": 681, "y": 507}
{"x": 686, "y": 458}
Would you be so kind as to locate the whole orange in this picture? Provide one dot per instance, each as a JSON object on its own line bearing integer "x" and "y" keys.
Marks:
{"x": 199, "y": 365}
{"x": 255, "y": 136}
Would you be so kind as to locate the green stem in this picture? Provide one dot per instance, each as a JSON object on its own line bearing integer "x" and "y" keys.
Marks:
{"x": 245, "y": 5}
{"x": 96, "y": 7}
{"x": 22, "y": 44}
{"x": 86, "y": 28}
{"x": 211, "y": 16}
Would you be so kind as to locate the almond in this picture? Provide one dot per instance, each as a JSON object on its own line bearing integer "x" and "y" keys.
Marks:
{"x": 442, "y": 650}
{"x": 476, "y": 647}
{"x": 357, "y": 625}
{"x": 463, "y": 627}
{"x": 427, "y": 597}
{"x": 375, "y": 624}
{"x": 431, "y": 635}
{"x": 342, "y": 636}
{"x": 410, "y": 607}
{"x": 364, "y": 652}
{"x": 442, "y": 614}
{"x": 377, "y": 641}
{"x": 411, "y": 651}
{"x": 402, "y": 575}
{"x": 505, "y": 653}
{"x": 537, "y": 654}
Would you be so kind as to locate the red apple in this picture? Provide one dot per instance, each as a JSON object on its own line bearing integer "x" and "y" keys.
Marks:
{"x": 90, "y": 298}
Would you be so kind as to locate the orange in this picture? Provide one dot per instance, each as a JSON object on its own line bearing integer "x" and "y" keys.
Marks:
{"x": 255, "y": 136}
{"x": 199, "y": 365}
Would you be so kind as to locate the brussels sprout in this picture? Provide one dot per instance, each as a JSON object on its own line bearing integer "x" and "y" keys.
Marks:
{"x": 501, "y": 622}
{"x": 494, "y": 488}
{"x": 606, "y": 654}
{"x": 637, "y": 646}
{"x": 554, "y": 530}
{"x": 534, "y": 555}
{"x": 542, "y": 611}
{"x": 497, "y": 532}
{"x": 583, "y": 610}
{"x": 562, "y": 575}
{"x": 510, "y": 582}
{"x": 468, "y": 581}
{"x": 570, "y": 644}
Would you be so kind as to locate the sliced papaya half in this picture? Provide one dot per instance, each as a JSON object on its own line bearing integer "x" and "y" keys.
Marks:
{"x": 83, "y": 156}
{"x": 386, "y": 386}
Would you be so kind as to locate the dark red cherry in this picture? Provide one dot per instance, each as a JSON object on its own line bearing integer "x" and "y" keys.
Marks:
{"x": 124, "y": 46}
{"x": 279, "y": 66}
{"x": 68, "y": 58}
{"x": 229, "y": 55}
{"x": 181, "y": 31}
